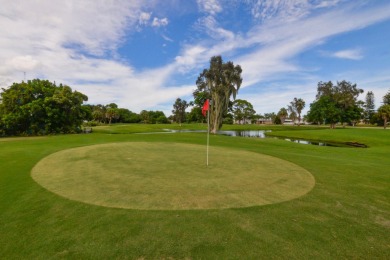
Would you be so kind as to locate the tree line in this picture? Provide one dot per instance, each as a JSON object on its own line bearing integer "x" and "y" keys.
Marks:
{"x": 111, "y": 113}
{"x": 334, "y": 104}
{"x": 39, "y": 107}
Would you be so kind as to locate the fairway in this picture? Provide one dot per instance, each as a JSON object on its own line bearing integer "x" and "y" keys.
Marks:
{"x": 170, "y": 176}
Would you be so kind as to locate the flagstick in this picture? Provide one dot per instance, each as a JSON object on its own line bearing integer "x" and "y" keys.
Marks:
{"x": 208, "y": 135}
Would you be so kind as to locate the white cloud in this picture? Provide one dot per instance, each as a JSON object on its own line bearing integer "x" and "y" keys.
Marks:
{"x": 54, "y": 40}
{"x": 72, "y": 42}
{"x": 166, "y": 38}
{"x": 352, "y": 54}
{"x": 326, "y": 3}
{"x": 282, "y": 10}
{"x": 144, "y": 18}
{"x": 277, "y": 44}
{"x": 209, "y": 6}
{"x": 23, "y": 63}
{"x": 210, "y": 25}
{"x": 159, "y": 22}
{"x": 281, "y": 98}
{"x": 190, "y": 57}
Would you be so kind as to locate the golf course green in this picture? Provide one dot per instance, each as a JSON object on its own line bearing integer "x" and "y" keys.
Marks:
{"x": 159, "y": 176}
{"x": 132, "y": 192}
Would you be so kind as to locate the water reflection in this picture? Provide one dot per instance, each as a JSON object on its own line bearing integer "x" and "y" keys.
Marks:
{"x": 308, "y": 142}
{"x": 246, "y": 133}
{"x": 261, "y": 134}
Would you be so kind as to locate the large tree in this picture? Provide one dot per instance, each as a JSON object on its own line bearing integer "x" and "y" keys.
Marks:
{"x": 346, "y": 95}
{"x": 243, "y": 111}
{"x": 38, "y": 107}
{"x": 296, "y": 106}
{"x": 336, "y": 103}
{"x": 369, "y": 107}
{"x": 219, "y": 82}
{"x": 179, "y": 110}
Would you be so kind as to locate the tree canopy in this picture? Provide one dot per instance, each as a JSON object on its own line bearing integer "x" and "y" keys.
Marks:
{"x": 153, "y": 117}
{"x": 243, "y": 111}
{"x": 219, "y": 82}
{"x": 336, "y": 103}
{"x": 282, "y": 114}
{"x": 179, "y": 110}
{"x": 39, "y": 107}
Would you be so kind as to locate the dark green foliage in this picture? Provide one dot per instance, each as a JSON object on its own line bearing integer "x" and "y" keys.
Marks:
{"x": 271, "y": 116}
{"x": 195, "y": 115}
{"x": 386, "y": 98}
{"x": 153, "y": 117}
{"x": 243, "y": 111}
{"x": 384, "y": 113}
{"x": 228, "y": 119}
{"x": 111, "y": 112}
{"x": 282, "y": 115}
{"x": 39, "y": 107}
{"x": 179, "y": 110}
{"x": 336, "y": 103}
{"x": 369, "y": 107}
{"x": 126, "y": 116}
{"x": 277, "y": 120}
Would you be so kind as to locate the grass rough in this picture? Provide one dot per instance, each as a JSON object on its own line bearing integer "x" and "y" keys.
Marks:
{"x": 345, "y": 216}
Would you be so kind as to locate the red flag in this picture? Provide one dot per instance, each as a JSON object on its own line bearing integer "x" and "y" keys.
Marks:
{"x": 205, "y": 107}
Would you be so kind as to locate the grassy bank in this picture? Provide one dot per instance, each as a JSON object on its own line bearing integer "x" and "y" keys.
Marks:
{"x": 346, "y": 214}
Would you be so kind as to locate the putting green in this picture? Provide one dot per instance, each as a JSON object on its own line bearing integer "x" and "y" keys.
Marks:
{"x": 170, "y": 176}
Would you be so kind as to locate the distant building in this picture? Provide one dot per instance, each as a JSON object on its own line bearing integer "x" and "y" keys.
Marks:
{"x": 243, "y": 122}
{"x": 264, "y": 121}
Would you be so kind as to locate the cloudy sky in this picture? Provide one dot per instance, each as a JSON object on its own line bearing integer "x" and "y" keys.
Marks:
{"x": 145, "y": 54}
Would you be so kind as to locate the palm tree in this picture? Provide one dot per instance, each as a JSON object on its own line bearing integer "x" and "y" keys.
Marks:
{"x": 384, "y": 113}
{"x": 283, "y": 114}
{"x": 296, "y": 106}
{"x": 111, "y": 113}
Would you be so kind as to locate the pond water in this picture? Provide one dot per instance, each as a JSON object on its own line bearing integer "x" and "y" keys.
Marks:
{"x": 262, "y": 134}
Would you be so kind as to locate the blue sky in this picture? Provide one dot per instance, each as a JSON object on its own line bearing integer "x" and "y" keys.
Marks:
{"x": 145, "y": 54}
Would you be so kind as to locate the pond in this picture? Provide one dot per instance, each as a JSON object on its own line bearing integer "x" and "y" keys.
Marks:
{"x": 262, "y": 134}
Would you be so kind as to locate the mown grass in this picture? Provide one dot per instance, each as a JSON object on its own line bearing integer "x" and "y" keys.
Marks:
{"x": 155, "y": 176}
{"x": 346, "y": 215}
{"x": 142, "y": 128}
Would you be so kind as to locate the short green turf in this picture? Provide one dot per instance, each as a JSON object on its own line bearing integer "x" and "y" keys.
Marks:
{"x": 170, "y": 176}
{"x": 345, "y": 216}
